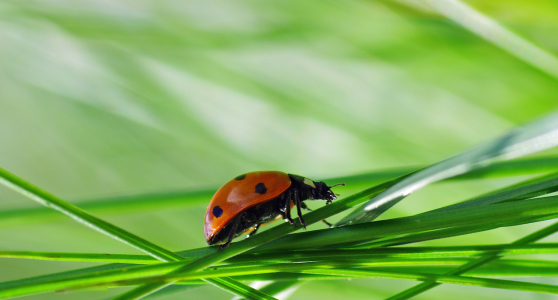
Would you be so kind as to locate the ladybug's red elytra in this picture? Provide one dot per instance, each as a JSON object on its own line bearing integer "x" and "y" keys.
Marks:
{"x": 249, "y": 200}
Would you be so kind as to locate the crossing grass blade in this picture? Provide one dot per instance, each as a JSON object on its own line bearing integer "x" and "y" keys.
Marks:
{"x": 161, "y": 201}
{"x": 535, "y": 136}
{"x": 406, "y": 294}
{"x": 81, "y": 216}
{"x": 304, "y": 255}
{"x": 536, "y": 209}
{"x": 340, "y": 269}
{"x": 525, "y": 210}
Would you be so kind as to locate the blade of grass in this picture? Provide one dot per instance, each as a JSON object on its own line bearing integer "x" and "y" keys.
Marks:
{"x": 426, "y": 236}
{"x": 41, "y": 283}
{"x": 270, "y": 234}
{"x": 339, "y": 269}
{"x": 340, "y": 205}
{"x": 531, "y": 188}
{"x": 444, "y": 233}
{"x": 277, "y": 232}
{"x": 534, "y": 209}
{"x": 399, "y": 252}
{"x": 158, "y": 201}
{"x": 525, "y": 166}
{"x": 303, "y": 255}
{"x": 392, "y": 241}
{"x": 532, "y": 137}
{"x": 108, "y": 206}
{"x": 504, "y": 269}
{"x": 193, "y": 253}
{"x": 451, "y": 279}
{"x": 274, "y": 233}
{"x": 49, "y": 200}
{"x": 126, "y": 274}
{"x": 161, "y": 201}
{"x": 281, "y": 289}
{"x": 493, "y": 32}
{"x": 527, "y": 189}
{"x": 227, "y": 284}
{"x": 173, "y": 290}
{"x": 140, "y": 292}
{"x": 82, "y": 257}
{"x": 498, "y": 214}
{"x": 535, "y": 236}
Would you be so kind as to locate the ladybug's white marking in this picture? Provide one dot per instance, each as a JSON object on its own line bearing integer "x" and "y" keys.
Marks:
{"x": 309, "y": 182}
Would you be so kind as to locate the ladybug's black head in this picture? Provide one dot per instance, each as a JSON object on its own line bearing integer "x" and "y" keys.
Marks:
{"x": 322, "y": 191}
{"x": 313, "y": 189}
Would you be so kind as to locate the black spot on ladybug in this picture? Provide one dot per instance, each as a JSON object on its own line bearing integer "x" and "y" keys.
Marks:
{"x": 240, "y": 177}
{"x": 217, "y": 211}
{"x": 260, "y": 188}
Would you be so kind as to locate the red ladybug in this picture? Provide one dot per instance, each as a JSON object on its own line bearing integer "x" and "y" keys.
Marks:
{"x": 252, "y": 199}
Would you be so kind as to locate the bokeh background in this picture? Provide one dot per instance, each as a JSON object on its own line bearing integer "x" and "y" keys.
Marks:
{"x": 108, "y": 98}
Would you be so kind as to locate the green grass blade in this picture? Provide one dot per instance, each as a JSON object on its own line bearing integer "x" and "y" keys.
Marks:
{"x": 110, "y": 206}
{"x": 535, "y": 136}
{"x": 474, "y": 264}
{"x": 248, "y": 294}
{"x": 442, "y": 233}
{"x": 304, "y": 255}
{"x": 281, "y": 230}
{"x": 490, "y": 30}
{"x": 340, "y": 205}
{"x": 81, "y": 257}
{"x": 505, "y": 213}
{"x": 525, "y": 166}
{"x": 426, "y": 236}
{"x": 162, "y": 201}
{"x": 394, "y": 253}
{"x": 491, "y": 270}
{"x": 337, "y": 269}
{"x": 375, "y": 254}
{"x": 497, "y": 214}
{"x": 138, "y": 293}
{"x": 209, "y": 259}
{"x": 382, "y": 227}
{"x": 451, "y": 279}
{"x": 281, "y": 288}
{"x": 532, "y": 188}
{"x": 173, "y": 289}
{"x": 513, "y": 210}
{"x": 67, "y": 280}
{"x": 49, "y": 200}
{"x": 227, "y": 284}
{"x": 134, "y": 275}
{"x": 204, "y": 251}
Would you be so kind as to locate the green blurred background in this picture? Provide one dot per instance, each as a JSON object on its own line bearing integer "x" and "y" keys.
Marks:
{"x": 108, "y": 98}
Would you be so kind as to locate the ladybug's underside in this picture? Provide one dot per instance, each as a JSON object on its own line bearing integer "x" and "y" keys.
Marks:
{"x": 255, "y": 215}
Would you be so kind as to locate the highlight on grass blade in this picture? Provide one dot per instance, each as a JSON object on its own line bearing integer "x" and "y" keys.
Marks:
{"x": 530, "y": 138}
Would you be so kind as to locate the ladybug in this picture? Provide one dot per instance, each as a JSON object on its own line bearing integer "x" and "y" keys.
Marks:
{"x": 249, "y": 200}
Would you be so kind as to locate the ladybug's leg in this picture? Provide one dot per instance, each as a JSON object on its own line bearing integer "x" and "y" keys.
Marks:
{"x": 233, "y": 230}
{"x": 303, "y": 205}
{"x": 288, "y": 209}
{"x": 298, "y": 204}
{"x": 256, "y": 227}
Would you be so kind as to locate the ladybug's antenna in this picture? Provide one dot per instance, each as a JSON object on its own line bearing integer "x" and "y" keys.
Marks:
{"x": 341, "y": 184}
